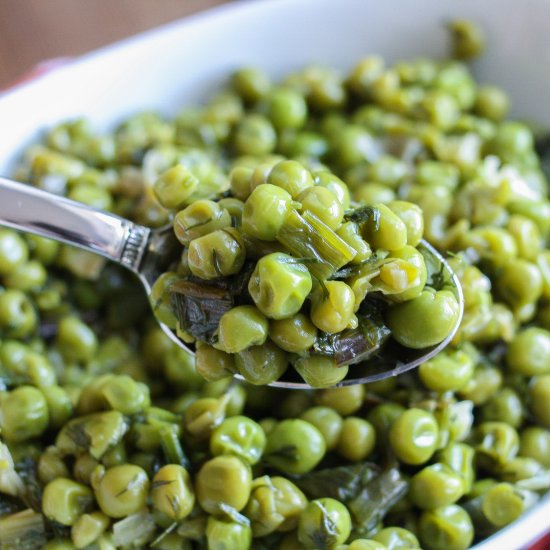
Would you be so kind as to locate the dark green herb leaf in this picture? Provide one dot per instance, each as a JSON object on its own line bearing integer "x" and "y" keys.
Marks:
{"x": 357, "y": 344}
{"x": 376, "y": 497}
{"x": 326, "y": 536}
{"x": 341, "y": 483}
{"x": 199, "y": 307}
{"x": 363, "y": 214}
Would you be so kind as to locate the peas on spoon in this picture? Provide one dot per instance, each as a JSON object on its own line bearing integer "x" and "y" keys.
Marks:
{"x": 421, "y": 327}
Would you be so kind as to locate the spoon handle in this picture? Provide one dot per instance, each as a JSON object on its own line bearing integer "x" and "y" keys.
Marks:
{"x": 26, "y": 208}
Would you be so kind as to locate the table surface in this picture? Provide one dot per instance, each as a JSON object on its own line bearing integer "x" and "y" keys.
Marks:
{"x": 34, "y": 30}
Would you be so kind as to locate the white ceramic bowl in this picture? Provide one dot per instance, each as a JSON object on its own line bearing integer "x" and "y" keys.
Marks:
{"x": 181, "y": 62}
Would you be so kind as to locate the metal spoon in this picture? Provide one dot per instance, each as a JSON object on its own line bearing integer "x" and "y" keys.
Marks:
{"x": 149, "y": 253}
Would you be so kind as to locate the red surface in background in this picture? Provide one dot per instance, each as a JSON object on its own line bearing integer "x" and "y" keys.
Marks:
{"x": 50, "y": 64}
{"x": 543, "y": 544}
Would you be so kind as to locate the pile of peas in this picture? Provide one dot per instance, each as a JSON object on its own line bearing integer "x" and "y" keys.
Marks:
{"x": 110, "y": 437}
{"x": 297, "y": 230}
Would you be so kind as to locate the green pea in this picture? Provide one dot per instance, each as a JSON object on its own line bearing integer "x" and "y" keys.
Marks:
{"x": 24, "y": 413}
{"x": 240, "y": 436}
{"x": 261, "y": 171}
{"x": 174, "y": 186}
{"x": 539, "y": 393}
{"x": 535, "y": 443}
{"x": 520, "y": 284}
{"x": 124, "y": 394}
{"x": 254, "y": 135}
{"x": 240, "y": 328}
{"x": 446, "y": 527}
{"x": 64, "y": 500}
{"x": 172, "y": 492}
{"x": 213, "y": 364}
{"x": 493, "y": 244}
{"x": 366, "y": 544}
{"x": 59, "y": 544}
{"x": 324, "y": 204}
{"x": 413, "y": 436}
{"x": 203, "y": 415}
{"x": 51, "y": 465}
{"x": 364, "y": 73}
{"x": 529, "y": 352}
{"x": 88, "y": 528}
{"x": 435, "y": 173}
{"x": 497, "y": 444}
{"x": 275, "y": 504}
{"x": 263, "y": 364}
{"x": 357, "y": 439}
{"x": 403, "y": 278}
{"x": 76, "y": 340}
{"x": 59, "y": 405}
{"x": 334, "y": 311}
{"x": 18, "y": 317}
{"x": 13, "y": 251}
{"x": 327, "y": 421}
{"x": 198, "y": 219}
{"x": 235, "y": 208}
{"x": 42, "y": 249}
{"x": 344, "y": 401}
{"x": 179, "y": 368}
{"x": 396, "y": 538}
{"x": 251, "y": 83}
{"x": 349, "y": 232}
{"x": 279, "y": 285}
{"x": 294, "y": 447}
{"x": 504, "y": 406}
{"x": 492, "y": 103}
{"x": 385, "y": 229}
{"x": 373, "y": 193}
{"x": 115, "y": 456}
{"x": 513, "y": 139}
{"x": 218, "y": 254}
{"x": 424, "y": 321}
{"x": 293, "y": 334}
{"x": 25, "y": 366}
{"x": 334, "y": 184}
{"x": 223, "y": 480}
{"x": 92, "y": 195}
{"x": 485, "y": 381}
{"x": 265, "y": 211}
{"x": 120, "y": 491}
{"x": 527, "y": 236}
{"x": 320, "y": 371}
{"x": 520, "y": 468}
{"x": 226, "y": 534}
{"x": 286, "y": 108}
{"x": 388, "y": 170}
{"x": 294, "y": 404}
{"x": 93, "y": 433}
{"x": 291, "y": 176}
{"x": 543, "y": 263}
{"x": 538, "y": 211}
{"x": 30, "y": 276}
{"x": 352, "y": 145}
{"x": 502, "y": 504}
{"x": 447, "y": 371}
{"x": 411, "y": 215}
{"x": 459, "y": 457}
{"x": 240, "y": 182}
{"x": 434, "y": 486}
{"x": 325, "y": 523}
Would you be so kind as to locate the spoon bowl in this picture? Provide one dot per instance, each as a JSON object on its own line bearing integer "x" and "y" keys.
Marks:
{"x": 149, "y": 253}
